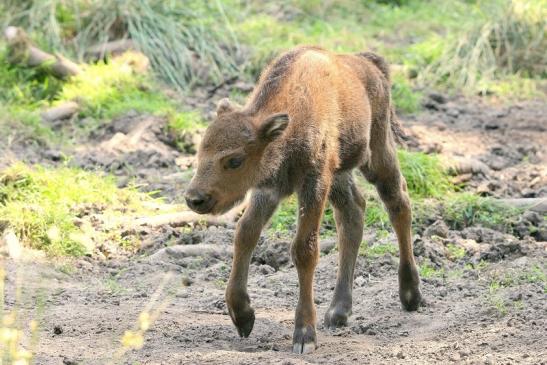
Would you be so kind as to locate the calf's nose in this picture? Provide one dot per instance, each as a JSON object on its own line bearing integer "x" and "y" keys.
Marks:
{"x": 196, "y": 199}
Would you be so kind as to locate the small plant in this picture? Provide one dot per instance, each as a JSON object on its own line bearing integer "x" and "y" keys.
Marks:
{"x": 455, "y": 252}
{"x": 427, "y": 270}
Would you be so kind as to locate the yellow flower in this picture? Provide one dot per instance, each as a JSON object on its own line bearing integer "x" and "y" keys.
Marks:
{"x": 132, "y": 340}
{"x": 144, "y": 321}
{"x": 9, "y": 319}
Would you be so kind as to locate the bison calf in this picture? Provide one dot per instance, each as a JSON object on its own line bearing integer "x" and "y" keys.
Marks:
{"x": 313, "y": 117}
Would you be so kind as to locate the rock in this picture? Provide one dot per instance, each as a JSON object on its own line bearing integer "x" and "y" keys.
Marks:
{"x": 540, "y": 234}
{"x": 266, "y": 269}
{"x": 181, "y": 251}
{"x": 501, "y": 250}
{"x": 274, "y": 254}
{"x": 532, "y": 217}
{"x": 488, "y": 359}
{"x": 455, "y": 357}
{"x": 438, "y": 228}
{"x": 360, "y": 281}
{"x": 428, "y": 249}
{"x": 326, "y": 245}
{"x": 437, "y": 97}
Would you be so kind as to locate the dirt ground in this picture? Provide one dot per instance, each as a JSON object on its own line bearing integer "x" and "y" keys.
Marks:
{"x": 488, "y": 307}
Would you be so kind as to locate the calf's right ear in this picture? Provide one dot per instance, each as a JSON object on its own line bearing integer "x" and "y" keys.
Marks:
{"x": 273, "y": 126}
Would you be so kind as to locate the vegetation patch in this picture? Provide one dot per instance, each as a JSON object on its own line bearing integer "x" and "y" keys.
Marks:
{"x": 466, "y": 209}
{"x": 424, "y": 174}
{"x": 509, "y": 41}
{"x": 48, "y": 208}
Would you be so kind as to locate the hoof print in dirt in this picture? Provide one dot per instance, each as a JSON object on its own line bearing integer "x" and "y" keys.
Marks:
{"x": 304, "y": 340}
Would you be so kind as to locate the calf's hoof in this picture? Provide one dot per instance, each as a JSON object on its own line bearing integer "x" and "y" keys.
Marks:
{"x": 337, "y": 316}
{"x": 304, "y": 340}
{"x": 409, "y": 287}
{"x": 243, "y": 320}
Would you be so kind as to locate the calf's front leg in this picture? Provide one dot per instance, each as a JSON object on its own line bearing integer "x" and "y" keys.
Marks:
{"x": 305, "y": 254}
{"x": 260, "y": 209}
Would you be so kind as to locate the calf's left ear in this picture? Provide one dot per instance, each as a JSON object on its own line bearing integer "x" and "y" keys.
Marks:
{"x": 273, "y": 126}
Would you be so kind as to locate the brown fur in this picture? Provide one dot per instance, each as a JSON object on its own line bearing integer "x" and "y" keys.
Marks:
{"x": 313, "y": 117}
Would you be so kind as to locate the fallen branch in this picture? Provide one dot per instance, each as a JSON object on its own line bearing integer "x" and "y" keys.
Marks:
{"x": 538, "y": 205}
{"x": 63, "y": 111}
{"x": 467, "y": 166}
{"x": 100, "y": 51}
{"x": 181, "y": 251}
{"x": 22, "y": 51}
{"x": 180, "y": 219}
{"x": 185, "y": 218}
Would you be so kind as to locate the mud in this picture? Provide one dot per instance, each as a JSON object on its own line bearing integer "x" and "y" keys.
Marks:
{"x": 485, "y": 302}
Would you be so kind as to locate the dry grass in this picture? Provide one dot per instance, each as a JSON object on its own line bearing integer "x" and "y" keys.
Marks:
{"x": 511, "y": 42}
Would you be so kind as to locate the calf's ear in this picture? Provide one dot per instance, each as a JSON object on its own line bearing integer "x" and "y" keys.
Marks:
{"x": 224, "y": 105}
{"x": 273, "y": 126}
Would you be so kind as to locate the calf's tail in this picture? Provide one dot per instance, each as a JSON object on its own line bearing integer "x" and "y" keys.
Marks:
{"x": 396, "y": 127}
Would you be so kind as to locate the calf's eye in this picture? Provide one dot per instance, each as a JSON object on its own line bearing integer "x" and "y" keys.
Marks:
{"x": 234, "y": 162}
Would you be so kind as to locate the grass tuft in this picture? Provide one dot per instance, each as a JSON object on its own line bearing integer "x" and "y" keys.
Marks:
{"x": 424, "y": 174}
{"x": 45, "y": 207}
{"x": 509, "y": 41}
{"x": 465, "y": 209}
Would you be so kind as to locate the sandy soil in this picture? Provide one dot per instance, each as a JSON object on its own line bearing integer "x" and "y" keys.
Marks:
{"x": 488, "y": 307}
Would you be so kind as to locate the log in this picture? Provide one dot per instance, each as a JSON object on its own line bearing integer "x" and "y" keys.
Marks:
{"x": 62, "y": 111}
{"x": 22, "y": 51}
{"x": 538, "y": 205}
{"x": 181, "y": 251}
{"x": 180, "y": 219}
{"x": 467, "y": 166}
{"x": 185, "y": 218}
{"x": 100, "y": 51}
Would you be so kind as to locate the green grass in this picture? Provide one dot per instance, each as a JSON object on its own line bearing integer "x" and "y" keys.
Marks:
{"x": 46, "y": 207}
{"x": 405, "y": 98}
{"x": 25, "y": 86}
{"x": 424, "y": 174}
{"x": 455, "y": 252}
{"x": 432, "y": 195}
{"x": 513, "y": 278}
{"x": 103, "y": 90}
{"x": 377, "y": 250}
{"x": 466, "y": 209}
{"x": 427, "y": 271}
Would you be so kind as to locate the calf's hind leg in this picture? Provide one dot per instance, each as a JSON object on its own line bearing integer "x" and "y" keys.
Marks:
{"x": 349, "y": 208}
{"x": 384, "y": 172}
{"x": 305, "y": 255}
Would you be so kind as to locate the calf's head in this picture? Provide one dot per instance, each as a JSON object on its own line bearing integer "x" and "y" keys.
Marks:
{"x": 230, "y": 157}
